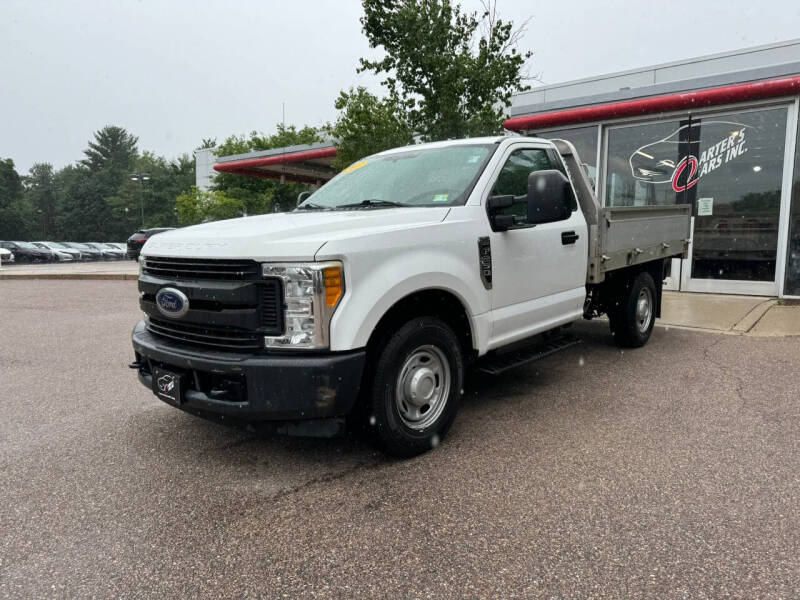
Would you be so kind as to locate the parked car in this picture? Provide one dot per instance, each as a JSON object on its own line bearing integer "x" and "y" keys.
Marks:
{"x": 87, "y": 251}
{"x": 105, "y": 253}
{"x": 58, "y": 254}
{"x": 117, "y": 253}
{"x": 6, "y": 256}
{"x": 26, "y": 252}
{"x": 477, "y": 251}
{"x": 137, "y": 240}
{"x": 62, "y": 246}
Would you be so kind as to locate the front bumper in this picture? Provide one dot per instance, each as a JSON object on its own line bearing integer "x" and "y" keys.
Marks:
{"x": 254, "y": 387}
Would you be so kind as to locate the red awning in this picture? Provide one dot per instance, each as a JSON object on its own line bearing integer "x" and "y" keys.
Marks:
{"x": 304, "y": 166}
{"x": 771, "y": 88}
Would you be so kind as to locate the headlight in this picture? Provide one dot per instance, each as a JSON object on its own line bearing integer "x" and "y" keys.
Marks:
{"x": 311, "y": 293}
{"x": 140, "y": 260}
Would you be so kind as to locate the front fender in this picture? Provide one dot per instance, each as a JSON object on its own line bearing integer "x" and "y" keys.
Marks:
{"x": 383, "y": 267}
{"x": 375, "y": 291}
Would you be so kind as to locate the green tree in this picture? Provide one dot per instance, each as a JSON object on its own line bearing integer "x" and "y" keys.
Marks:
{"x": 40, "y": 189}
{"x": 69, "y": 183}
{"x": 167, "y": 180}
{"x": 207, "y": 143}
{"x": 367, "y": 124}
{"x": 16, "y": 215}
{"x": 113, "y": 149}
{"x": 451, "y": 73}
{"x": 87, "y": 189}
{"x": 262, "y": 195}
{"x": 198, "y": 206}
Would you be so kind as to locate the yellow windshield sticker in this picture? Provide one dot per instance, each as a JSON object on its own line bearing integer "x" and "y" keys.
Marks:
{"x": 441, "y": 197}
{"x": 355, "y": 166}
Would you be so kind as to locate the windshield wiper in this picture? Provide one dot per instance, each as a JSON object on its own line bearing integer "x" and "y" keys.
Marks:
{"x": 312, "y": 206}
{"x": 371, "y": 202}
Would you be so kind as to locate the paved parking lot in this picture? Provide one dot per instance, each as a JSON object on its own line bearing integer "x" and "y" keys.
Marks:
{"x": 665, "y": 472}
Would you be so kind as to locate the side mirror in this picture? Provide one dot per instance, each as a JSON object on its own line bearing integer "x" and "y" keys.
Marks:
{"x": 302, "y": 197}
{"x": 548, "y": 197}
{"x": 500, "y": 222}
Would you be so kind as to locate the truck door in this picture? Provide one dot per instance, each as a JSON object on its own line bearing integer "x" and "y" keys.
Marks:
{"x": 539, "y": 271}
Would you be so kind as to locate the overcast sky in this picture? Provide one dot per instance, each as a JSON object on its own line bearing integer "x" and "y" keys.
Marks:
{"x": 173, "y": 72}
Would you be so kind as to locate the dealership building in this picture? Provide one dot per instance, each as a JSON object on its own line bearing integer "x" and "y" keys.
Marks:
{"x": 717, "y": 132}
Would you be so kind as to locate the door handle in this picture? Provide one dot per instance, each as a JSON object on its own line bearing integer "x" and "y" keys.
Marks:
{"x": 569, "y": 237}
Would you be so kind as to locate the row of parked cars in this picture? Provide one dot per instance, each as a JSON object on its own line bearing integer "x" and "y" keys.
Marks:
{"x": 33, "y": 252}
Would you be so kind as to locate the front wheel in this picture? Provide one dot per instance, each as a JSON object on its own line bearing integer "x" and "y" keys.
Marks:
{"x": 634, "y": 314}
{"x": 416, "y": 387}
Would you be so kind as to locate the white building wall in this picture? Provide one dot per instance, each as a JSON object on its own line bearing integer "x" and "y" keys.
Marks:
{"x": 204, "y": 160}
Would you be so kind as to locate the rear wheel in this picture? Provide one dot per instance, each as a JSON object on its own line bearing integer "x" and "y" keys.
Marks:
{"x": 416, "y": 387}
{"x": 633, "y": 317}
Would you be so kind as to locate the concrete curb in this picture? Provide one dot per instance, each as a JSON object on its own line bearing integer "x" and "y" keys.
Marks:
{"x": 735, "y": 332}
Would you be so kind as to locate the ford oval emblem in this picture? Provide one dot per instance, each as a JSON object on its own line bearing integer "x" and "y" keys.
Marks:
{"x": 172, "y": 303}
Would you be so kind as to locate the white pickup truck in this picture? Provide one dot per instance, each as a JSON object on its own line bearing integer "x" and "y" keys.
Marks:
{"x": 371, "y": 299}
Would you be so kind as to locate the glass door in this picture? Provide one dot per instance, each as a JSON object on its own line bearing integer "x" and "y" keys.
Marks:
{"x": 792, "y": 270}
{"x": 734, "y": 183}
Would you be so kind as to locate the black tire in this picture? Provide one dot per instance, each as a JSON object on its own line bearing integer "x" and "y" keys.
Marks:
{"x": 384, "y": 405}
{"x": 628, "y": 326}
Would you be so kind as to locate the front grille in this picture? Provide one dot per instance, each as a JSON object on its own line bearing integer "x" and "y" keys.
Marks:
{"x": 231, "y": 307}
{"x": 202, "y": 268}
{"x": 220, "y": 338}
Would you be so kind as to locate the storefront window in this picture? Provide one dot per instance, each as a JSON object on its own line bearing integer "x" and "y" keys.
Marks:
{"x": 729, "y": 168}
{"x": 585, "y": 141}
{"x": 641, "y": 162}
{"x": 737, "y": 196}
{"x": 792, "y": 286}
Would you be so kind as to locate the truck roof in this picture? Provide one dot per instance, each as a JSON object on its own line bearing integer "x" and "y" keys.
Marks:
{"x": 445, "y": 143}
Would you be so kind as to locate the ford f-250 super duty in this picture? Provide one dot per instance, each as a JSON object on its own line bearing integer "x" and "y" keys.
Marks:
{"x": 371, "y": 299}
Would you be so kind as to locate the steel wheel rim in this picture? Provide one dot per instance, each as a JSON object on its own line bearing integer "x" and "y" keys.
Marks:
{"x": 423, "y": 386}
{"x": 644, "y": 309}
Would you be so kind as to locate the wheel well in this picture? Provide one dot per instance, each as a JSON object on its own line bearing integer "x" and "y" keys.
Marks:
{"x": 434, "y": 303}
{"x": 622, "y": 278}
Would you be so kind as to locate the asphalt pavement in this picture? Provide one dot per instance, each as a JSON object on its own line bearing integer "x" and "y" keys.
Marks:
{"x": 665, "y": 472}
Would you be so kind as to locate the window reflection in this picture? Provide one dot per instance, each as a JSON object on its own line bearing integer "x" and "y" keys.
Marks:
{"x": 641, "y": 160}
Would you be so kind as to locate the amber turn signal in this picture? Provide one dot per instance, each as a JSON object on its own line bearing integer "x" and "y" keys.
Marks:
{"x": 333, "y": 285}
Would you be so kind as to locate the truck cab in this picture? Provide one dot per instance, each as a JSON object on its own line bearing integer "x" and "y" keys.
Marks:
{"x": 368, "y": 302}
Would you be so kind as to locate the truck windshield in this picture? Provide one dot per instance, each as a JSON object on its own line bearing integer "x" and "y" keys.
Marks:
{"x": 423, "y": 177}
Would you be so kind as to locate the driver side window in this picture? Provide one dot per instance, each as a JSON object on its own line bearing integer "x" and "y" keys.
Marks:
{"x": 513, "y": 178}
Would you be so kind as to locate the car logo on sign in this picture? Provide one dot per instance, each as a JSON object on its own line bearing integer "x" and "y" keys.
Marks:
{"x": 172, "y": 303}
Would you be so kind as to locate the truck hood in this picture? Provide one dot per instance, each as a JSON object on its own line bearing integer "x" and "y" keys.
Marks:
{"x": 285, "y": 236}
